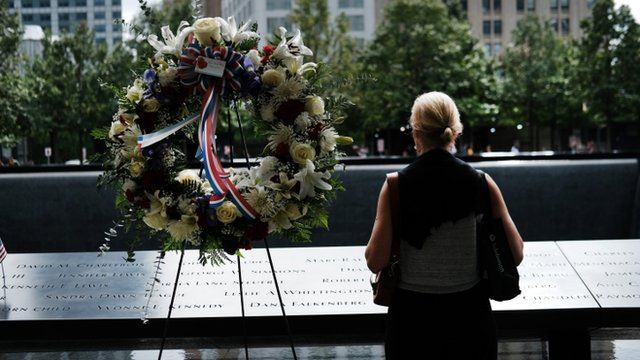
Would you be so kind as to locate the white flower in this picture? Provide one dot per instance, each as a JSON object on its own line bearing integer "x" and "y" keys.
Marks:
{"x": 207, "y": 31}
{"x": 150, "y": 105}
{"x": 184, "y": 228}
{"x": 301, "y": 153}
{"x": 129, "y": 185}
{"x": 328, "y": 138}
{"x": 314, "y": 105}
{"x": 136, "y": 166}
{"x": 187, "y": 206}
{"x": 230, "y": 31}
{"x": 254, "y": 56}
{"x": 291, "y": 48}
{"x": 172, "y": 45}
{"x": 134, "y": 92}
{"x": 260, "y": 200}
{"x": 289, "y": 89}
{"x": 294, "y": 213}
{"x": 303, "y": 121}
{"x": 125, "y": 117}
{"x": 296, "y": 67}
{"x": 280, "y": 134}
{"x": 117, "y": 129}
{"x": 283, "y": 186}
{"x": 166, "y": 76}
{"x": 279, "y": 222}
{"x": 273, "y": 78}
{"x": 156, "y": 216}
{"x": 227, "y": 212}
{"x": 130, "y": 137}
{"x": 309, "y": 180}
{"x": 267, "y": 168}
{"x": 267, "y": 112}
{"x": 187, "y": 175}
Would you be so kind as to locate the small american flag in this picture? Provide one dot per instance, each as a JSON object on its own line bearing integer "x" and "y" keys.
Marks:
{"x": 3, "y": 251}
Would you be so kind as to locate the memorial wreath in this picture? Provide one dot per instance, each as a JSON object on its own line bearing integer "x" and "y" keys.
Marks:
{"x": 194, "y": 73}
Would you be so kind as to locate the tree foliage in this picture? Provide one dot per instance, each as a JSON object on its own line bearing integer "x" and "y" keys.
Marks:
{"x": 420, "y": 48}
{"x": 609, "y": 55}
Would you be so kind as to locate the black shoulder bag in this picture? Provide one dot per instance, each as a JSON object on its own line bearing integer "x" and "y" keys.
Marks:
{"x": 386, "y": 279}
{"x": 495, "y": 257}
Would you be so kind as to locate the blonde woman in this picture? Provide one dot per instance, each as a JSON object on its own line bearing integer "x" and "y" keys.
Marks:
{"x": 440, "y": 308}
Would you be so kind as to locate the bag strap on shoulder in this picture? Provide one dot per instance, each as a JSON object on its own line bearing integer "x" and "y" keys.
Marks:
{"x": 394, "y": 198}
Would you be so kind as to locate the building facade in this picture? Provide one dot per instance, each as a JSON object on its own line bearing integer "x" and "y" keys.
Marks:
{"x": 64, "y": 16}
{"x": 271, "y": 14}
{"x": 492, "y": 21}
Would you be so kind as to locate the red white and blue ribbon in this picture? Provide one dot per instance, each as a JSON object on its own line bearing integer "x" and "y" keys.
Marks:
{"x": 232, "y": 80}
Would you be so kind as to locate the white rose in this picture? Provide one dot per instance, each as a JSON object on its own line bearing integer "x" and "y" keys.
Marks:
{"x": 136, "y": 167}
{"x": 314, "y": 105}
{"x": 303, "y": 121}
{"x": 117, "y": 128}
{"x": 134, "y": 92}
{"x": 151, "y": 105}
{"x": 227, "y": 212}
{"x": 301, "y": 152}
{"x": 167, "y": 76}
{"x": 328, "y": 139}
{"x": 273, "y": 78}
{"x": 207, "y": 31}
{"x": 188, "y": 175}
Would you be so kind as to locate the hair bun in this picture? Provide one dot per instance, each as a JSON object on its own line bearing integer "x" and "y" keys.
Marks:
{"x": 447, "y": 134}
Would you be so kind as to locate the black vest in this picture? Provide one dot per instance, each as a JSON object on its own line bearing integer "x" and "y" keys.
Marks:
{"x": 436, "y": 188}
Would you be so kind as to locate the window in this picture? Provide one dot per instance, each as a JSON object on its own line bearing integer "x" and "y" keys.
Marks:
{"x": 553, "y": 4}
{"x": 464, "y": 4}
{"x": 101, "y": 41}
{"x": 115, "y": 2}
{"x": 485, "y": 6}
{"x": 116, "y": 15}
{"x": 497, "y": 26}
{"x": 99, "y": 15}
{"x": 27, "y": 17}
{"x": 565, "y": 4}
{"x": 27, "y": 3}
{"x": 98, "y": 2}
{"x": 44, "y": 3}
{"x": 100, "y": 27}
{"x": 45, "y": 17}
{"x": 117, "y": 28}
{"x": 278, "y": 4}
{"x": 486, "y": 27}
{"x": 497, "y": 48}
{"x": 497, "y": 4}
{"x": 520, "y": 5}
{"x": 531, "y": 5}
{"x": 487, "y": 50}
{"x": 10, "y": 4}
{"x": 63, "y": 3}
{"x": 564, "y": 25}
{"x": 81, "y": 2}
{"x": 344, "y": 4}
{"x": 275, "y": 22}
{"x": 64, "y": 28}
{"x": 356, "y": 22}
{"x": 117, "y": 39}
{"x": 554, "y": 24}
{"x": 81, "y": 16}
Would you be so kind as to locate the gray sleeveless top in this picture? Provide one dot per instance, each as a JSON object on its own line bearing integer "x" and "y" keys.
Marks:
{"x": 446, "y": 263}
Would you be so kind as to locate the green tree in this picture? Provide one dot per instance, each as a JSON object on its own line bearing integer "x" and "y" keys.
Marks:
{"x": 609, "y": 55}
{"x": 419, "y": 48}
{"x": 537, "y": 70}
{"x": 13, "y": 91}
{"x": 69, "y": 98}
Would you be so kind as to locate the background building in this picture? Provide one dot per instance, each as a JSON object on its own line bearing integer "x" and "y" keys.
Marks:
{"x": 64, "y": 16}
{"x": 271, "y": 14}
{"x": 492, "y": 21}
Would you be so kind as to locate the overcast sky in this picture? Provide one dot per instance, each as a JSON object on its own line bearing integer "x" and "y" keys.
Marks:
{"x": 131, "y": 7}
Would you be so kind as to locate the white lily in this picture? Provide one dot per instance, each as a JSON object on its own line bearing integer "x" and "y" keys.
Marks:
{"x": 310, "y": 179}
{"x": 291, "y": 48}
{"x": 295, "y": 65}
{"x": 230, "y": 31}
{"x": 172, "y": 44}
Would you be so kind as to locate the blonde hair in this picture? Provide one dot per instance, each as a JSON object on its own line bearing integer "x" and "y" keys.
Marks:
{"x": 436, "y": 116}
